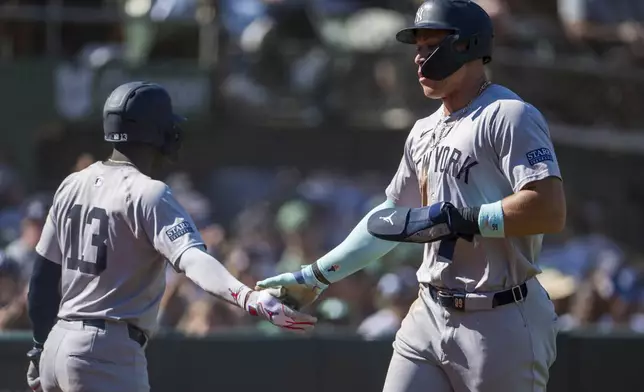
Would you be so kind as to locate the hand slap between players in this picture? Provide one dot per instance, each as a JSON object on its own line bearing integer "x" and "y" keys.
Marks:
{"x": 266, "y": 304}
{"x": 301, "y": 288}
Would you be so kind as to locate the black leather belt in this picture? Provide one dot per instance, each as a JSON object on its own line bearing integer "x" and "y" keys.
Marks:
{"x": 458, "y": 301}
{"x": 133, "y": 332}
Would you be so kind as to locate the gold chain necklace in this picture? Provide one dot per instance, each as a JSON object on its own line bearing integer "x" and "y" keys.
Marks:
{"x": 121, "y": 162}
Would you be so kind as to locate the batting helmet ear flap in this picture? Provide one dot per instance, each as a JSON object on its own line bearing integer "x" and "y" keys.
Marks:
{"x": 480, "y": 47}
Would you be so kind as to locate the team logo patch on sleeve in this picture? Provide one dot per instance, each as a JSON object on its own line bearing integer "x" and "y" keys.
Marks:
{"x": 179, "y": 230}
{"x": 539, "y": 155}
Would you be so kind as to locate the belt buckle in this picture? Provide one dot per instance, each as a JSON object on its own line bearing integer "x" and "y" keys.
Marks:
{"x": 459, "y": 301}
{"x": 517, "y": 294}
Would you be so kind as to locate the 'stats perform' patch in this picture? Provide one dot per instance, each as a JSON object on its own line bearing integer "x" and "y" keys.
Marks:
{"x": 539, "y": 155}
{"x": 179, "y": 230}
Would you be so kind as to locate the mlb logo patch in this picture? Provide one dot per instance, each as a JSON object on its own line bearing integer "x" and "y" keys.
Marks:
{"x": 539, "y": 155}
{"x": 117, "y": 137}
{"x": 179, "y": 230}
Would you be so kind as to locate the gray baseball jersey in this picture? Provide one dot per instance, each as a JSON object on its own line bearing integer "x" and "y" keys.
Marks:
{"x": 111, "y": 228}
{"x": 489, "y": 150}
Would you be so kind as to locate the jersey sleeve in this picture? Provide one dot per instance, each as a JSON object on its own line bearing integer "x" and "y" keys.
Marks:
{"x": 523, "y": 145}
{"x": 168, "y": 226}
{"x": 48, "y": 245}
{"x": 403, "y": 189}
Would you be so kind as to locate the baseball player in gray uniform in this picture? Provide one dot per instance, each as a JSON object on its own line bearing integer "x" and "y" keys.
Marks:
{"x": 479, "y": 184}
{"x": 102, "y": 255}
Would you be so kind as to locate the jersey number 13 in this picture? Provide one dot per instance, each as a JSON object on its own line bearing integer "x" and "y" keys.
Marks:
{"x": 77, "y": 240}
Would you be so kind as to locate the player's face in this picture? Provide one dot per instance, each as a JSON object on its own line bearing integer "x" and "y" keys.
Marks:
{"x": 427, "y": 42}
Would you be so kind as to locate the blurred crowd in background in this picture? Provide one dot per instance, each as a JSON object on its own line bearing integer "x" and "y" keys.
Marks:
{"x": 310, "y": 60}
{"x": 313, "y": 39}
{"x": 261, "y": 222}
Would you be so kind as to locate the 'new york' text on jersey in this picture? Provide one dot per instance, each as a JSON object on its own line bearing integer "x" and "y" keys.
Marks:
{"x": 493, "y": 149}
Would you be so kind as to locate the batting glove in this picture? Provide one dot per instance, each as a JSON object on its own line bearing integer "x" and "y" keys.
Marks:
{"x": 266, "y": 304}
{"x": 33, "y": 375}
{"x": 437, "y": 222}
{"x": 304, "y": 277}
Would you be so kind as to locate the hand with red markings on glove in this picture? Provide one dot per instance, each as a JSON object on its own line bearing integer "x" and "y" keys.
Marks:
{"x": 265, "y": 304}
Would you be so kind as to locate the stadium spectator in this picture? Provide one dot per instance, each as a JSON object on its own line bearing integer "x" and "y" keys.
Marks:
{"x": 333, "y": 313}
{"x": 206, "y": 316}
{"x": 500, "y": 14}
{"x": 11, "y": 194}
{"x": 13, "y": 296}
{"x": 84, "y": 160}
{"x": 395, "y": 293}
{"x": 22, "y": 250}
{"x": 605, "y": 24}
{"x": 299, "y": 225}
{"x": 560, "y": 288}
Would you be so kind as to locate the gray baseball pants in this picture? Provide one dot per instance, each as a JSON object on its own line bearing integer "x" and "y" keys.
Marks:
{"x": 81, "y": 358}
{"x": 509, "y": 348}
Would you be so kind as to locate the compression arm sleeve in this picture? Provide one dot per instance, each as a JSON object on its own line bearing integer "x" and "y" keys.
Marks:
{"x": 43, "y": 299}
{"x": 358, "y": 250}
{"x": 209, "y": 274}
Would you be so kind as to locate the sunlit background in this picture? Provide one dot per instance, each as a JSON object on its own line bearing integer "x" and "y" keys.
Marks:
{"x": 298, "y": 112}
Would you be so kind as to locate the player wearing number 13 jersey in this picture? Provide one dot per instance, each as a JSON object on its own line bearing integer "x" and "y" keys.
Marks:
{"x": 103, "y": 252}
{"x": 112, "y": 215}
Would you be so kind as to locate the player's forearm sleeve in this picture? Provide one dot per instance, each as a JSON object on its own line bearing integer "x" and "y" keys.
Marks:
{"x": 43, "y": 299}
{"x": 209, "y": 274}
{"x": 354, "y": 253}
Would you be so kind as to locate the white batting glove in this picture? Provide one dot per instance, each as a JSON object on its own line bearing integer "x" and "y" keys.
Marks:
{"x": 265, "y": 304}
{"x": 33, "y": 378}
{"x": 33, "y": 375}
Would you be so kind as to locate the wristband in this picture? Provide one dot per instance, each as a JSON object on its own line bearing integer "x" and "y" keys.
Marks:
{"x": 318, "y": 274}
{"x": 311, "y": 275}
{"x": 491, "y": 220}
{"x": 246, "y": 299}
{"x": 38, "y": 345}
{"x": 240, "y": 296}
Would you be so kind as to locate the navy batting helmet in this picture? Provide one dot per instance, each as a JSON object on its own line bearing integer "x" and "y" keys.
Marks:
{"x": 142, "y": 112}
{"x": 470, "y": 27}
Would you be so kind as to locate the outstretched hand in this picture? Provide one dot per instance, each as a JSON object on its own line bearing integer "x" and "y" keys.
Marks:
{"x": 266, "y": 304}
{"x": 301, "y": 287}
